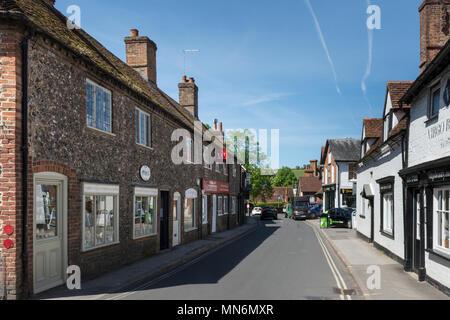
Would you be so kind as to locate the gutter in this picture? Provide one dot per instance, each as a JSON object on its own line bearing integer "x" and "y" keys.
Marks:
{"x": 24, "y": 148}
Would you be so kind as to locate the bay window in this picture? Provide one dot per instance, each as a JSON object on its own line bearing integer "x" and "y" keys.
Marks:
{"x": 100, "y": 215}
{"x": 98, "y": 107}
{"x": 145, "y": 208}
{"x": 441, "y": 220}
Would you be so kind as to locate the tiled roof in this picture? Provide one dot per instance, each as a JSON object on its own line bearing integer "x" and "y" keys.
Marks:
{"x": 347, "y": 149}
{"x": 49, "y": 20}
{"x": 397, "y": 90}
{"x": 373, "y": 128}
{"x": 309, "y": 184}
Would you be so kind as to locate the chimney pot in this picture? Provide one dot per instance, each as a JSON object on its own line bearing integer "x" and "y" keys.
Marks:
{"x": 134, "y": 33}
{"x": 220, "y": 127}
{"x": 184, "y": 79}
{"x": 215, "y": 124}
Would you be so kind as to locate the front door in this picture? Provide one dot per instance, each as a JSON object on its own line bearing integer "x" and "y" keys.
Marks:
{"x": 164, "y": 218}
{"x": 176, "y": 210}
{"x": 372, "y": 221}
{"x": 214, "y": 215}
{"x": 50, "y": 231}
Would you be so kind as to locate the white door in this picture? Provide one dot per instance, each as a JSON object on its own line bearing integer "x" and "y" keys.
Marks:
{"x": 176, "y": 219}
{"x": 214, "y": 214}
{"x": 50, "y": 231}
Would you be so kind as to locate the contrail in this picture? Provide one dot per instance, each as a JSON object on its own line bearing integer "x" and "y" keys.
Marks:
{"x": 324, "y": 45}
{"x": 369, "y": 66}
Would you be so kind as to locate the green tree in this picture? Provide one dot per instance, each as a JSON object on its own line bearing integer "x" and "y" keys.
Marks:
{"x": 261, "y": 184}
{"x": 285, "y": 177}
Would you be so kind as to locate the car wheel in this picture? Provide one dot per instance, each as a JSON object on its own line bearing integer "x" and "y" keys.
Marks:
{"x": 349, "y": 224}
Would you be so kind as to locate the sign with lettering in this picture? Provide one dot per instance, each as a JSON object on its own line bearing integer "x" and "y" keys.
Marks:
{"x": 386, "y": 187}
{"x": 440, "y": 130}
{"x": 145, "y": 173}
{"x": 218, "y": 187}
{"x": 412, "y": 179}
{"x": 347, "y": 191}
{"x": 439, "y": 175}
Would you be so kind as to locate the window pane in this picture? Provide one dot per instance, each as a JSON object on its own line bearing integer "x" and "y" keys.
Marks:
{"x": 46, "y": 211}
{"x": 440, "y": 200}
{"x": 149, "y": 220}
{"x": 106, "y": 111}
{"x": 90, "y": 104}
{"x": 89, "y": 228}
{"x": 143, "y": 130}
{"x": 189, "y": 222}
{"x": 109, "y": 219}
{"x": 446, "y": 231}
{"x": 446, "y": 201}
{"x": 435, "y": 102}
{"x": 136, "y": 121}
{"x": 137, "y": 216}
{"x": 100, "y": 218}
{"x": 149, "y": 132}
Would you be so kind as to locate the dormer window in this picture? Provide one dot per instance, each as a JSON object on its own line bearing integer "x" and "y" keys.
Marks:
{"x": 435, "y": 99}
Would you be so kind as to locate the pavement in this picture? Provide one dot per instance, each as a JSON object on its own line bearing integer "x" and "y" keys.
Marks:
{"x": 129, "y": 275}
{"x": 364, "y": 261}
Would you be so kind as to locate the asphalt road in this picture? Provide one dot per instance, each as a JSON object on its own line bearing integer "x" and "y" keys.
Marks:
{"x": 280, "y": 259}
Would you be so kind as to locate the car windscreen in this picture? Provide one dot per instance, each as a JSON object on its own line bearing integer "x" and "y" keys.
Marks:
{"x": 301, "y": 204}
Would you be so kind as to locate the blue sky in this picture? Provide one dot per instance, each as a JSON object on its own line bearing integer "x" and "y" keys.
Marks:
{"x": 262, "y": 64}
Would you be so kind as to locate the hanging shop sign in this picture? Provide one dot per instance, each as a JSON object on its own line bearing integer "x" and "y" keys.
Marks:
{"x": 347, "y": 191}
{"x": 145, "y": 173}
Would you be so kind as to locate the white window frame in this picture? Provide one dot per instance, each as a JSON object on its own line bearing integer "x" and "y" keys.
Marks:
{"x": 94, "y": 189}
{"x": 95, "y": 107}
{"x": 149, "y": 133}
{"x": 388, "y": 215}
{"x": 190, "y": 148}
{"x": 205, "y": 209}
{"x": 145, "y": 192}
{"x": 436, "y": 212}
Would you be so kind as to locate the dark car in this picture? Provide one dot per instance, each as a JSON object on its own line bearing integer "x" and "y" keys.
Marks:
{"x": 316, "y": 209}
{"x": 341, "y": 216}
{"x": 268, "y": 212}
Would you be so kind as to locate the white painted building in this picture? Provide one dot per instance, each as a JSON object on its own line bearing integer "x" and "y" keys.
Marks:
{"x": 379, "y": 217}
{"x": 427, "y": 176}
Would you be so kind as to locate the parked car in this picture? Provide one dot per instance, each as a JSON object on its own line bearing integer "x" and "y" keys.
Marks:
{"x": 268, "y": 212}
{"x": 256, "y": 211}
{"x": 340, "y": 216}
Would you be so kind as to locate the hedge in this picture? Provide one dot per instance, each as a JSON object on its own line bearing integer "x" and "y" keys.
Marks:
{"x": 269, "y": 204}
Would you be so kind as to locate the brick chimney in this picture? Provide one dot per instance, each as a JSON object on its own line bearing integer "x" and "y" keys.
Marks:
{"x": 313, "y": 166}
{"x": 434, "y": 29}
{"x": 141, "y": 55}
{"x": 189, "y": 95}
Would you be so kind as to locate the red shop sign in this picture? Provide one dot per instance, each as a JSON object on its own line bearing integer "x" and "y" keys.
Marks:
{"x": 210, "y": 186}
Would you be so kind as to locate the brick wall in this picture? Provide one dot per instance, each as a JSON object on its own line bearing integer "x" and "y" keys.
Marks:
{"x": 10, "y": 151}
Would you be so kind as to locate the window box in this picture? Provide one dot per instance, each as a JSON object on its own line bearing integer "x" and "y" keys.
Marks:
{"x": 98, "y": 107}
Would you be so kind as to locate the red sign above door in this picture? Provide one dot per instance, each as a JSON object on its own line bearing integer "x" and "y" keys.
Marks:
{"x": 218, "y": 187}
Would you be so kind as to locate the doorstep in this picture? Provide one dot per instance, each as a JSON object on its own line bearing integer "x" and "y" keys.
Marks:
{"x": 128, "y": 275}
{"x": 359, "y": 257}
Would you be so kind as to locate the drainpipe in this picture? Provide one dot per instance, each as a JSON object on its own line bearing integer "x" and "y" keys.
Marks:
{"x": 24, "y": 148}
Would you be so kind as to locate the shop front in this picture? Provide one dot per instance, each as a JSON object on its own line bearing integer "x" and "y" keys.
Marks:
{"x": 329, "y": 196}
{"x": 348, "y": 198}
{"x": 216, "y": 196}
{"x": 427, "y": 246}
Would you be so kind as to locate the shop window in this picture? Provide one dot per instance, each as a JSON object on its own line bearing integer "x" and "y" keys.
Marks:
{"x": 225, "y": 205}
{"x": 220, "y": 206}
{"x": 100, "y": 215}
{"x": 143, "y": 128}
{"x": 190, "y": 206}
{"x": 145, "y": 218}
{"x": 205, "y": 210}
{"x": 441, "y": 220}
{"x": 98, "y": 107}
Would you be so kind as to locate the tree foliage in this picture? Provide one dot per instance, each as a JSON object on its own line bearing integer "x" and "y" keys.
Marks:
{"x": 285, "y": 177}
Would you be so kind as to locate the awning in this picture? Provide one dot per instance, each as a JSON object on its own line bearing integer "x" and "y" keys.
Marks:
{"x": 367, "y": 192}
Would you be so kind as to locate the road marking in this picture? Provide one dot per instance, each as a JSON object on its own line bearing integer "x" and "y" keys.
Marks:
{"x": 337, "y": 275}
{"x": 184, "y": 266}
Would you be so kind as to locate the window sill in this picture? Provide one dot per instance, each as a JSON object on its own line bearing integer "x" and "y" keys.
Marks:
{"x": 387, "y": 234}
{"x": 432, "y": 119}
{"x": 101, "y": 131}
{"x": 144, "y": 146}
{"x": 100, "y": 247}
{"x": 439, "y": 253}
{"x": 147, "y": 236}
